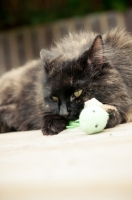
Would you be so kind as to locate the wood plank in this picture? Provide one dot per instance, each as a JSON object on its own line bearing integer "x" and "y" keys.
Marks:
{"x": 71, "y": 165}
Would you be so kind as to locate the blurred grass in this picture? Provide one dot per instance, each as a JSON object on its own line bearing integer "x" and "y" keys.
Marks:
{"x": 14, "y": 13}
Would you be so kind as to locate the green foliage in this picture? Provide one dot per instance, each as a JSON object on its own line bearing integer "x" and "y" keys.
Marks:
{"x": 28, "y": 12}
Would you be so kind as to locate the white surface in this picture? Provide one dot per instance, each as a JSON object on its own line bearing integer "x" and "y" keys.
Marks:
{"x": 71, "y": 165}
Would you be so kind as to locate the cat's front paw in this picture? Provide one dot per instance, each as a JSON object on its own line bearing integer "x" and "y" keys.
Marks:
{"x": 53, "y": 124}
{"x": 114, "y": 116}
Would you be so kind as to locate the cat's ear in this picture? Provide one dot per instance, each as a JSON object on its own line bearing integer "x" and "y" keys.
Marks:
{"x": 46, "y": 55}
{"x": 96, "y": 52}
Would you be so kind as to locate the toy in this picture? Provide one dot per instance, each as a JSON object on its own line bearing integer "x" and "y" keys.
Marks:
{"x": 92, "y": 119}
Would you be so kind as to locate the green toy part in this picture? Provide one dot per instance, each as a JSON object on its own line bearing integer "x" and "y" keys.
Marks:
{"x": 73, "y": 124}
{"x": 92, "y": 119}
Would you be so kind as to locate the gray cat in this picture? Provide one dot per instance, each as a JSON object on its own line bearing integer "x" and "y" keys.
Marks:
{"x": 47, "y": 94}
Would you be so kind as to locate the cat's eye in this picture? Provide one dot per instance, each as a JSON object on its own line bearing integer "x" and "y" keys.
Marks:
{"x": 77, "y": 93}
{"x": 55, "y": 98}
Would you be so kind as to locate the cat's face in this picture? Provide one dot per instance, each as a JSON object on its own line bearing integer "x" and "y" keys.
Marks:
{"x": 68, "y": 84}
{"x": 65, "y": 90}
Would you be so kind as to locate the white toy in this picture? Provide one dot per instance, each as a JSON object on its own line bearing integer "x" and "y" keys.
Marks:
{"x": 92, "y": 119}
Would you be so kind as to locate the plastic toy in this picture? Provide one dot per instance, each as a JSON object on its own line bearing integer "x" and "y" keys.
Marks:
{"x": 92, "y": 119}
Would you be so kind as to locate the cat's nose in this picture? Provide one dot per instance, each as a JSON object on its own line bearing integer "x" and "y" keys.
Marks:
{"x": 63, "y": 110}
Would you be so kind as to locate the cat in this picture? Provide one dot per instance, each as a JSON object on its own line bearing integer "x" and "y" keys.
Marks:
{"x": 47, "y": 93}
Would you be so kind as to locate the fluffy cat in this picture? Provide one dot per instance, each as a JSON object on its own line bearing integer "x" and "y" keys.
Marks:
{"x": 81, "y": 66}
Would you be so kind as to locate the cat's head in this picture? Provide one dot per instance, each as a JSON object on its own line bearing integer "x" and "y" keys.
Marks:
{"x": 69, "y": 83}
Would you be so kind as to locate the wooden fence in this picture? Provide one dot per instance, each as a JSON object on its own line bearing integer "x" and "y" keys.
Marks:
{"x": 21, "y": 45}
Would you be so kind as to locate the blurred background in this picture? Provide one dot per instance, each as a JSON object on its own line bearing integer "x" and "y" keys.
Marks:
{"x": 26, "y": 26}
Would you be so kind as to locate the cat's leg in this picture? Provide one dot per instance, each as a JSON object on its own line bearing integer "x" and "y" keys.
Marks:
{"x": 53, "y": 124}
{"x": 6, "y": 118}
{"x": 115, "y": 117}
{"x": 5, "y": 129}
